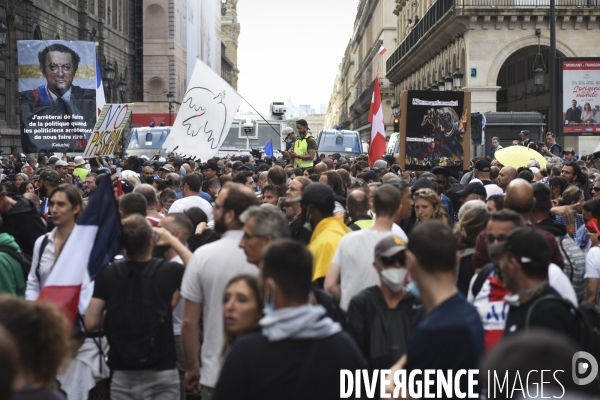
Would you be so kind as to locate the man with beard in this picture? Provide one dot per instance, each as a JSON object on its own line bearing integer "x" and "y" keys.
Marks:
{"x": 204, "y": 283}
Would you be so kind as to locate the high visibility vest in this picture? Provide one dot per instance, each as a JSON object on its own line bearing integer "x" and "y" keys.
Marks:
{"x": 301, "y": 148}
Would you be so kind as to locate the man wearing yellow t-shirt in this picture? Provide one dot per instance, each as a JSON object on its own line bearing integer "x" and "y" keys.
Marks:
{"x": 318, "y": 204}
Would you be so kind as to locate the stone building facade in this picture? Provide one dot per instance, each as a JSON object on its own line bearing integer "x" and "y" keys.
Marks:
{"x": 494, "y": 44}
{"x": 350, "y": 101}
{"x": 230, "y": 31}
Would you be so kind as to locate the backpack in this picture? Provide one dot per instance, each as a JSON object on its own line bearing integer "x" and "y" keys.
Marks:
{"x": 574, "y": 263}
{"x": 26, "y": 260}
{"x": 137, "y": 319}
{"x": 484, "y": 273}
{"x": 589, "y": 325}
{"x": 389, "y": 336}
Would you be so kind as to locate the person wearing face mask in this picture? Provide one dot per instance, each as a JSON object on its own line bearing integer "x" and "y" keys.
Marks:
{"x": 383, "y": 317}
{"x": 350, "y": 271}
{"x": 450, "y": 335}
{"x": 299, "y": 351}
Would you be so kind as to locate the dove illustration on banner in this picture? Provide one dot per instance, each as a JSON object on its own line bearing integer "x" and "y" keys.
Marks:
{"x": 205, "y": 115}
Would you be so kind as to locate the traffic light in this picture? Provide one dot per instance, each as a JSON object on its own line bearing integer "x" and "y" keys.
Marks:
{"x": 396, "y": 124}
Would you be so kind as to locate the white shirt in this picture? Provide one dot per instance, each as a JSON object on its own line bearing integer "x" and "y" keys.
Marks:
{"x": 355, "y": 255}
{"x": 46, "y": 264}
{"x": 212, "y": 266}
{"x": 181, "y": 205}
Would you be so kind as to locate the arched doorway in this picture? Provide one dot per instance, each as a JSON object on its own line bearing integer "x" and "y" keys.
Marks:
{"x": 517, "y": 89}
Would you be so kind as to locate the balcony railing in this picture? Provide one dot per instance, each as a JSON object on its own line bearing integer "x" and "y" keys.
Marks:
{"x": 527, "y": 3}
{"x": 441, "y": 7}
{"x": 365, "y": 96}
{"x": 431, "y": 17}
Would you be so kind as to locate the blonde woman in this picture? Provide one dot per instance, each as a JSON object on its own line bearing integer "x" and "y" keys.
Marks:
{"x": 428, "y": 205}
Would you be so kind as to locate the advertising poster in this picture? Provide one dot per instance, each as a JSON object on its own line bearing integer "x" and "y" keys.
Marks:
{"x": 57, "y": 95}
{"x": 581, "y": 96}
{"x": 435, "y": 130}
{"x": 108, "y": 131}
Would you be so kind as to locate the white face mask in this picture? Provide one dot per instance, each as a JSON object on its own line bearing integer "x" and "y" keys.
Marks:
{"x": 393, "y": 278}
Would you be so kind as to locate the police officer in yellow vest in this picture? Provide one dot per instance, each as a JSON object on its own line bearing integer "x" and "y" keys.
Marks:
{"x": 305, "y": 147}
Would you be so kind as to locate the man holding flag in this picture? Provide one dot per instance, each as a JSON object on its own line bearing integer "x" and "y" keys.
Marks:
{"x": 377, "y": 145}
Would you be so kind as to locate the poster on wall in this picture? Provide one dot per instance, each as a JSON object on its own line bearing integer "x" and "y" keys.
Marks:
{"x": 581, "y": 96}
{"x": 108, "y": 132}
{"x": 57, "y": 95}
{"x": 435, "y": 130}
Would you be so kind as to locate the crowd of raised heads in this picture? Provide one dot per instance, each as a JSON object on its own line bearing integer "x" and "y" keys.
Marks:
{"x": 267, "y": 277}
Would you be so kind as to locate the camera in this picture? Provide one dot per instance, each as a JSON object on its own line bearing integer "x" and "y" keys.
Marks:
{"x": 248, "y": 128}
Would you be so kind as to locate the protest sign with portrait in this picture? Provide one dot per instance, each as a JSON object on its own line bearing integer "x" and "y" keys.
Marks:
{"x": 57, "y": 94}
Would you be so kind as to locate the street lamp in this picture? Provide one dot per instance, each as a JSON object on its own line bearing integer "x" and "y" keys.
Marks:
{"x": 457, "y": 78}
{"x": 122, "y": 89}
{"x": 448, "y": 82}
{"x": 538, "y": 64}
{"x": 441, "y": 85}
{"x": 109, "y": 78}
{"x": 171, "y": 100}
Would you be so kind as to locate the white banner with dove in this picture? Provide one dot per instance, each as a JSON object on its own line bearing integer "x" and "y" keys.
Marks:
{"x": 205, "y": 115}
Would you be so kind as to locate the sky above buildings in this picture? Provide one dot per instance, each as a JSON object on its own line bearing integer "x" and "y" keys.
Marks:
{"x": 291, "y": 48}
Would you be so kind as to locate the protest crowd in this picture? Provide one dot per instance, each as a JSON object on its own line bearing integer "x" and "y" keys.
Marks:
{"x": 263, "y": 278}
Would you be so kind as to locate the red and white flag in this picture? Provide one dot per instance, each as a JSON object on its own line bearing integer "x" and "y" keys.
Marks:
{"x": 382, "y": 50}
{"x": 377, "y": 145}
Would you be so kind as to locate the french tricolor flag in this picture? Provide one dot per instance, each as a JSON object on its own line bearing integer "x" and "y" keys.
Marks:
{"x": 382, "y": 50}
{"x": 91, "y": 246}
{"x": 100, "y": 99}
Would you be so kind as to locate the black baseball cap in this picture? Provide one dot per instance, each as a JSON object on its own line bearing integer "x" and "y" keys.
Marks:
{"x": 249, "y": 166}
{"x": 371, "y": 175}
{"x": 440, "y": 170}
{"x": 237, "y": 165}
{"x": 210, "y": 165}
{"x": 472, "y": 188}
{"x": 483, "y": 166}
{"x": 526, "y": 244}
{"x": 318, "y": 194}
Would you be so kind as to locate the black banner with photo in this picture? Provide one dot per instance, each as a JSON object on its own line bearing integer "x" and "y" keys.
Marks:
{"x": 435, "y": 130}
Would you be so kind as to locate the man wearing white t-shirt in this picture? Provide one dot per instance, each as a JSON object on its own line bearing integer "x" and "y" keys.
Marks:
{"x": 204, "y": 283}
{"x": 180, "y": 226}
{"x": 190, "y": 187}
{"x": 351, "y": 269}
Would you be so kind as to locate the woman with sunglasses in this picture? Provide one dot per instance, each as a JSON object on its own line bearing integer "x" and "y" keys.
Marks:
{"x": 428, "y": 205}
{"x": 596, "y": 188}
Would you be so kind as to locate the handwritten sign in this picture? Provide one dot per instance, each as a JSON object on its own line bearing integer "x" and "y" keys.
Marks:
{"x": 205, "y": 116}
{"x": 108, "y": 130}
